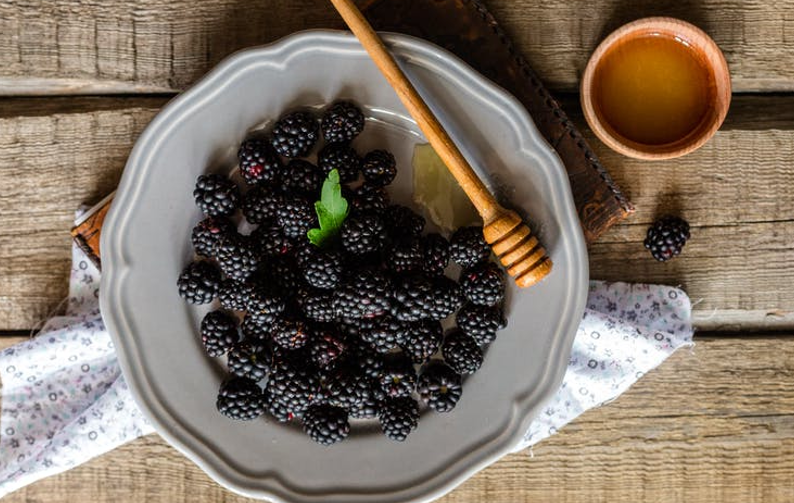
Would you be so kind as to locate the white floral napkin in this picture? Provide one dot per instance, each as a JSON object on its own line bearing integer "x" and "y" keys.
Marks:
{"x": 64, "y": 400}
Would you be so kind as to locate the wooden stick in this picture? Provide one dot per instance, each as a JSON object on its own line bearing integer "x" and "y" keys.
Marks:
{"x": 509, "y": 237}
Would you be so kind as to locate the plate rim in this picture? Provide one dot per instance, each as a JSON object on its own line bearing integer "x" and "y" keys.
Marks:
{"x": 116, "y": 266}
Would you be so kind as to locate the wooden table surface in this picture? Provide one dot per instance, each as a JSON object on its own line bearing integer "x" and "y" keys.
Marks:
{"x": 79, "y": 80}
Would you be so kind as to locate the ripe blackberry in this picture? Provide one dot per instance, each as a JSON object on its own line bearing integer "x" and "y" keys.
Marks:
{"x": 279, "y": 410}
{"x": 295, "y": 134}
{"x": 483, "y": 284}
{"x": 296, "y": 216}
{"x": 240, "y": 398}
{"x": 342, "y": 122}
{"x": 269, "y": 240}
{"x": 253, "y": 330}
{"x": 368, "y": 360}
{"x": 422, "y": 339}
{"x": 402, "y": 221}
{"x": 326, "y": 424}
{"x": 237, "y": 256}
{"x": 461, "y": 352}
{"x": 398, "y": 417}
{"x": 283, "y": 276}
{"x": 216, "y": 195}
{"x": 234, "y": 294}
{"x": 367, "y": 199}
{"x": 364, "y": 295}
{"x": 316, "y": 305}
{"x": 326, "y": 348}
{"x": 468, "y": 247}
{"x": 435, "y": 254}
{"x": 264, "y": 306}
{"x": 667, "y": 237}
{"x": 293, "y": 385}
{"x": 481, "y": 322}
{"x": 207, "y": 233}
{"x": 385, "y": 334}
{"x": 363, "y": 234}
{"x": 342, "y": 387}
{"x": 304, "y": 178}
{"x": 290, "y": 333}
{"x": 199, "y": 282}
{"x": 379, "y": 168}
{"x": 439, "y": 386}
{"x": 320, "y": 268}
{"x": 412, "y": 298}
{"x": 398, "y": 377}
{"x": 367, "y": 406}
{"x": 250, "y": 358}
{"x": 218, "y": 333}
{"x": 261, "y": 204}
{"x": 405, "y": 256}
{"x": 259, "y": 162}
{"x": 341, "y": 157}
{"x": 447, "y": 298}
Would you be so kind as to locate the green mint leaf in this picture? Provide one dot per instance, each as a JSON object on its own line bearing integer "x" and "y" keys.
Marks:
{"x": 331, "y": 209}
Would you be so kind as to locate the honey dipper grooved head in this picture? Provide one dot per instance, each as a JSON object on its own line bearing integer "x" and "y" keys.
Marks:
{"x": 520, "y": 252}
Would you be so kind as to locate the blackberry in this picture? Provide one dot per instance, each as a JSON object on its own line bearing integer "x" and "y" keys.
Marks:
{"x": 290, "y": 333}
{"x": 342, "y": 122}
{"x": 295, "y": 134}
{"x": 368, "y": 360}
{"x": 321, "y": 269}
{"x": 207, "y": 233}
{"x": 363, "y": 234}
{"x": 341, "y": 157}
{"x": 237, "y": 257}
{"x": 461, "y": 352}
{"x": 667, "y": 237}
{"x": 483, "y": 284}
{"x": 240, "y": 398}
{"x": 253, "y": 330}
{"x": 468, "y": 247}
{"x": 264, "y": 306}
{"x": 250, "y": 358}
{"x": 234, "y": 294}
{"x": 364, "y": 295}
{"x": 402, "y": 221}
{"x": 367, "y": 404}
{"x": 422, "y": 339}
{"x": 283, "y": 276}
{"x": 304, "y": 178}
{"x": 269, "y": 240}
{"x": 411, "y": 298}
{"x": 316, "y": 305}
{"x": 259, "y": 162}
{"x": 296, "y": 216}
{"x": 367, "y": 199}
{"x": 435, "y": 254}
{"x": 446, "y": 296}
{"x": 379, "y": 168}
{"x": 293, "y": 386}
{"x": 218, "y": 333}
{"x": 398, "y": 417}
{"x": 385, "y": 334}
{"x": 405, "y": 256}
{"x": 325, "y": 349}
{"x": 439, "y": 386}
{"x": 343, "y": 387}
{"x": 199, "y": 282}
{"x": 326, "y": 424}
{"x": 216, "y": 195}
{"x": 398, "y": 377}
{"x": 481, "y": 322}
{"x": 280, "y": 410}
{"x": 261, "y": 204}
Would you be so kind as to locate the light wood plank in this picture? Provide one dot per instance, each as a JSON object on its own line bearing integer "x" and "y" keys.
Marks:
{"x": 712, "y": 424}
{"x": 119, "y": 46}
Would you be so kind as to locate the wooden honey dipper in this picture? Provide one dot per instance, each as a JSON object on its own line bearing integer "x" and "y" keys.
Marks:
{"x": 510, "y": 238}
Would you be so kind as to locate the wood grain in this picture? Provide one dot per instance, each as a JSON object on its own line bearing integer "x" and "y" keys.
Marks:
{"x": 715, "y": 423}
{"x": 121, "y": 46}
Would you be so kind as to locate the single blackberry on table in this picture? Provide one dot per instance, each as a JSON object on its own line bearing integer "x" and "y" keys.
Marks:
{"x": 261, "y": 204}
{"x": 303, "y": 177}
{"x": 207, "y": 233}
{"x": 385, "y": 334}
{"x": 483, "y": 284}
{"x": 341, "y": 157}
{"x": 293, "y": 385}
{"x": 367, "y": 199}
{"x": 398, "y": 376}
{"x": 290, "y": 333}
{"x": 439, "y": 386}
{"x": 216, "y": 195}
{"x": 321, "y": 269}
{"x": 461, "y": 352}
{"x": 379, "y": 168}
{"x": 237, "y": 256}
{"x": 218, "y": 333}
{"x": 326, "y": 424}
{"x": 402, "y": 221}
{"x": 259, "y": 162}
{"x": 398, "y": 417}
{"x": 481, "y": 322}
{"x": 240, "y": 398}
{"x": 296, "y": 216}
{"x": 342, "y": 122}
{"x": 269, "y": 240}
{"x": 412, "y": 298}
{"x": 364, "y": 294}
{"x": 326, "y": 348}
{"x": 234, "y": 294}
{"x": 316, "y": 305}
{"x": 253, "y": 330}
{"x": 405, "y": 256}
{"x": 199, "y": 282}
{"x": 295, "y": 134}
{"x": 667, "y": 237}
{"x": 363, "y": 234}
{"x": 468, "y": 248}
{"x": 422, "y": 340}
{"x": 250, "y": 358}
{"x": 264, "y": 306}
{"x": 435, "y": 254}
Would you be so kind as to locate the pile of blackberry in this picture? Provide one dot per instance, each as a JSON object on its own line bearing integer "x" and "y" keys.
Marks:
{"x": 349, "y": 331}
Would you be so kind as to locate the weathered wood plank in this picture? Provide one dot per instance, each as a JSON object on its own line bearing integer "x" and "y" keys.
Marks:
{"x": 712, "y": 424}
{"x": 120, "y": 46}
{"x": 736, "y": 192}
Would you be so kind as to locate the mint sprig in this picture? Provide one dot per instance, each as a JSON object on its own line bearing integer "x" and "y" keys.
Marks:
{"x": 332, "y": 209}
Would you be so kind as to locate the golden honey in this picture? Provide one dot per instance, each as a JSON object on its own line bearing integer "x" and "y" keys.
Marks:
{"x": 653, "y": 89}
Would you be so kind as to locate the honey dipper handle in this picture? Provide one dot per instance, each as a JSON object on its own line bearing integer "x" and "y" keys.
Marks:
{"x": 433, "y": 130}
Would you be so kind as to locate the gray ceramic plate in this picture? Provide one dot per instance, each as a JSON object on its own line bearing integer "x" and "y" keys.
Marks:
{"x": 145, "y": 244}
